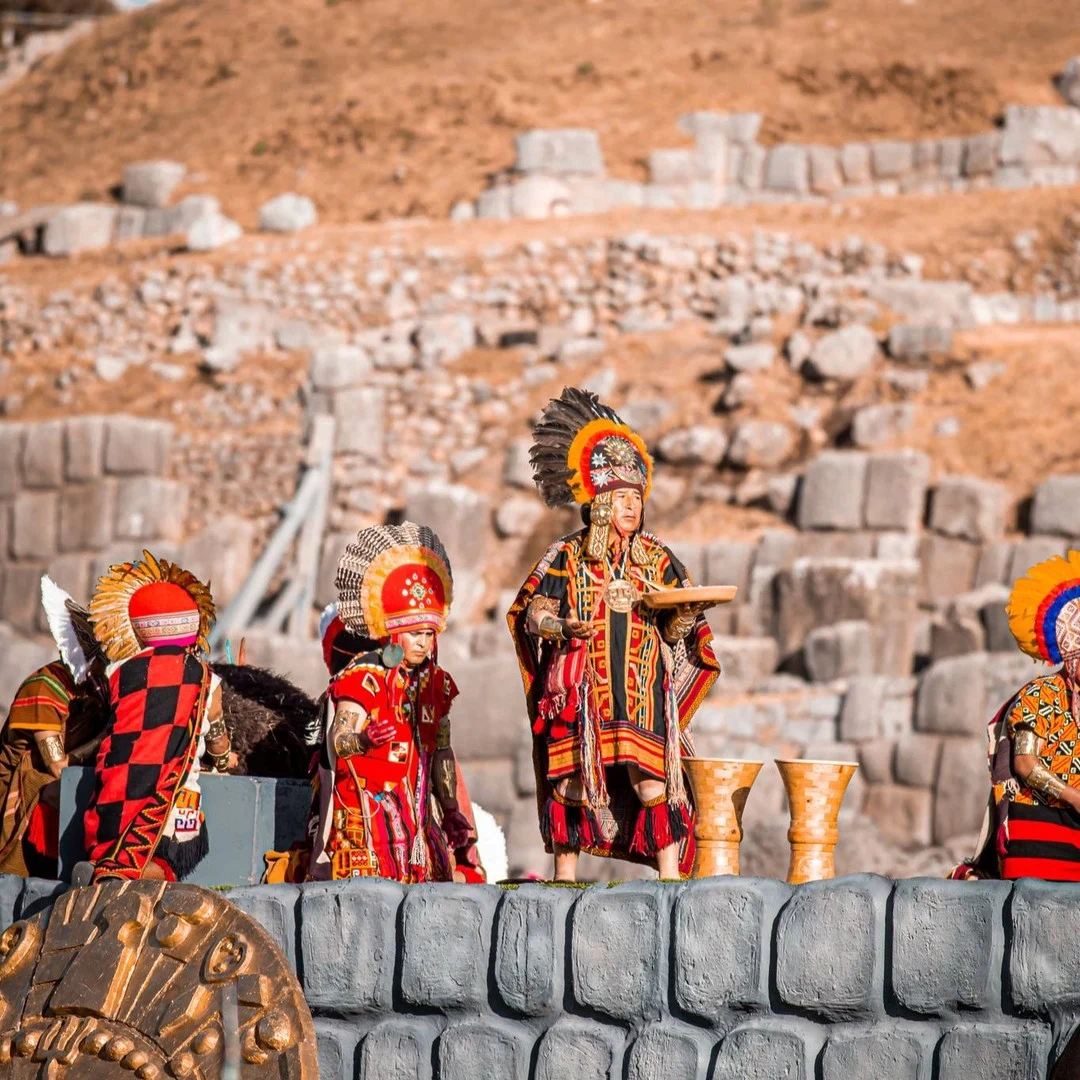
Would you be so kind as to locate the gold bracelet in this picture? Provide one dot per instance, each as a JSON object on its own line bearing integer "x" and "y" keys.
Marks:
{"x": 1043, "y": 781}
{"x": 551, "y": 628}
{"x": 52, "y": 749}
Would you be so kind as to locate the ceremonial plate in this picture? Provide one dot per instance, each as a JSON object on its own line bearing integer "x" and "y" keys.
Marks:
{"x": 698, "y": 594}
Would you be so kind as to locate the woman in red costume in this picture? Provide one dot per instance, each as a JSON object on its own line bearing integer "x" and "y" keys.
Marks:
{"x": 388, "y": 790}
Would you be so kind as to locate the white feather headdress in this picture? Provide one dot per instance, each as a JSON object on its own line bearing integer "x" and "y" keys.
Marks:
{"x": 490, "y": 845}
{"x": 61, "y": 612}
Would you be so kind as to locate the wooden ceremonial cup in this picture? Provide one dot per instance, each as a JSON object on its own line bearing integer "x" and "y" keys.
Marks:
{"x": 815, "y": 790}
{"x": 720, "y": 790}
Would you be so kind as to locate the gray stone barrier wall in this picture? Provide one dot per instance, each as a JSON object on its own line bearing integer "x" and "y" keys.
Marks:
{"x": 740, "y": 978}
{"x": 560, "y": 172}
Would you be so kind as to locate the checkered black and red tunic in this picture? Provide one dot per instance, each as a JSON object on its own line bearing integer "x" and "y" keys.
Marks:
{"x": 156, "y": 703}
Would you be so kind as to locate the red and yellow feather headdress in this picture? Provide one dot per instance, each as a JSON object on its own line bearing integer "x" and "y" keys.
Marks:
{"x": 149, "y": 602}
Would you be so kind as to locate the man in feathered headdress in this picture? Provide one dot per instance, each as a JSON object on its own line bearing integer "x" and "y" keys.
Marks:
{"x": 387, "y": 782}
{"x": 56, "y": 719}
{"x": 611, "y": 685}
{"x": 1032, "y": 828}
{"x": 145, "y": 820}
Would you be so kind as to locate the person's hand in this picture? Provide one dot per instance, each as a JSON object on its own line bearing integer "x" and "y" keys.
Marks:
{"x": 378, "y": 733}
{"x": 692, "y": 611}
{"x": 578, "y": 628}
{"x": 457, "y": 828}
{"x": 234, "y": 760}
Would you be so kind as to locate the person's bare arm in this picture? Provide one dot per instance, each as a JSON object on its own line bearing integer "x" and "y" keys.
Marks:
{"x": 354, "y": 732}
{"x": 1030, "y": 770}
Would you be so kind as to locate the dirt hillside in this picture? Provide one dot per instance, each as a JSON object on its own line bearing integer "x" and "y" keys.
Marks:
{"x": 381, "y": 109}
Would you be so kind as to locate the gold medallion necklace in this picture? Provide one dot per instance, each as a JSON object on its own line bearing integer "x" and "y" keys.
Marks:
{"x": 619, "y": 594}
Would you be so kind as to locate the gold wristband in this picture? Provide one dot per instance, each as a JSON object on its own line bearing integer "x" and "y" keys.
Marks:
{"x": 215, "y": 730}
{"x": 350, "y": 743}
{"x": 1042, "y": 780}
{"x": 551, "y": 628}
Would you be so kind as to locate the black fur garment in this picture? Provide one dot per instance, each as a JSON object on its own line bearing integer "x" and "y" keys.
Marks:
{"x": 266, "y": 717}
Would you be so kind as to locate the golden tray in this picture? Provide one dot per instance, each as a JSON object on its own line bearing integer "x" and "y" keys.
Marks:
{"x": 697, "y": 594}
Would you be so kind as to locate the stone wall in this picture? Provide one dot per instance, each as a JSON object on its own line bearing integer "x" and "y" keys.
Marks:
{"x": 75, "y": 495}
{"x": 725, "y": 978}
{"x": 560, "y": 172}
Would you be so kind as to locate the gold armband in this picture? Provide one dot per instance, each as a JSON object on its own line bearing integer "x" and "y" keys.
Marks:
{"x": 444, "y": 777}
{"x": 543, "y": 619}
{"x": 215, "y": 730}
{"x": 1026, "y": 743}
{"x": 52, "y": 749}
{"x": 350, "y": 743}
{"x": 1042, "y": 780}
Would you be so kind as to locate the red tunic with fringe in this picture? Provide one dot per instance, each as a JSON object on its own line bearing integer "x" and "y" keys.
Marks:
{"x": 381, "y": 819}
{"x": 623, "y": 697}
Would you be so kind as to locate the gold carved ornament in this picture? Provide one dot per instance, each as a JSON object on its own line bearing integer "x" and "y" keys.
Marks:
{"x": 140, "y": 979}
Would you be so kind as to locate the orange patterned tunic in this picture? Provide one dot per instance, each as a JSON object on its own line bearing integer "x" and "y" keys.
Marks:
{"x": 1042, "y": 706}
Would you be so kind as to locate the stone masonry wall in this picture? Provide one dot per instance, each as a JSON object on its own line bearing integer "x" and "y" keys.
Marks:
{"x": 725, "y": 978}
{"x": 560, "y": 172}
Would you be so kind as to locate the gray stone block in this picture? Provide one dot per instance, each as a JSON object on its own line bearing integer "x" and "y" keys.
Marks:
{"x": 825, "y": 175}
{"x": 891, "y": 158}
{"x": 874, "y": 425}
{"x": 287, "y": 213}
{"x": 787, "y": 169}
{"x": 904, "y": 816}
{"x": 11, "y": 888}
{"x": 969, "y": 508}
{"x": 150, "y": 508}
{"x": 664, "y": 1050}
{"x": 833, "y": 491}
{"x": 917, "y": 758}
{"x": 151, "y": 183}
{"x": 896, "y": 486}
{"x": 1044, "y": 957}
{"x": 335, "y": 366}
{"x": 1031, "y": 550}
{"x": 34, "y": 525}
{"x": 459, "y": 918}
{"x": 981, "y": 154}
{"x": 946, "y": 567}
{"x": 335, "y": 1042}
{"x": 274, "y": 908}
{"x": 73, "y": 573}
{"x": 136, "y": 446}
{"x": 947, "y": 944}
{"x": 768, "y": 1050}
{"x": 919, "y": 340}
{"x": 723, "y": 929}
{"x": 43, "y": 455}
{"x": 575, "y": 1050}
{"x": 87, "y": 513}
{"x": 484, "y": 1049}
{"x": 452, "y": 510}
{"x": 952, "y": 696}
{"x": 11, "y": 444}
{"x": 359, "y": 413}
{"x": 728, "y": 562}
{"x": 82, "y": 227}
{"x": 746, "y": 662}
{"x": 22, "y": 600}
{"x": 855, "y": 162}
{"x": 1056, "y": 507}
{"x": 530, "y": 939}
{"x": 489, "y": 714}
{"x": 888, "y": 1051}
{"x": 38, "y": 895}
{"x": 1001, "y": 1051}
{"x": 617, "y": 950}
{"x": 760, "y": 444}
{"x": 844, "y": 354}
{"x": 838, "y": 651}
{"x": 84, "y": 447}
{"x": 830, "y": 941}
{"x": 398, "y": 1049}
{"x": 875, "y": 706}
{"x": 569, "y": 151}
{"x": 347, "y": 935}
{"x": 130, "y": 223}
{"x": 962, "y": 788}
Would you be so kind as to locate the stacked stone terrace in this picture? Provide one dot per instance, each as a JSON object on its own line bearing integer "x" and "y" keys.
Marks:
{"x": 727, "y": 978}
{"x": 559, "y": 172}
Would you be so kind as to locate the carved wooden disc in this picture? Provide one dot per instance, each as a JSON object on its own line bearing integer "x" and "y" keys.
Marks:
{"x": 130, "y": 978}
